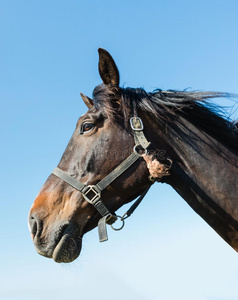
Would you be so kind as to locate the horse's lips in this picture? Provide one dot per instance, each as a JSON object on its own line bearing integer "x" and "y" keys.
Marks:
{"x": 68, "y": 248}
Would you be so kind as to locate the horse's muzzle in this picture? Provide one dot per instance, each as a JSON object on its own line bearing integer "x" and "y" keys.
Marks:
{"x": 63, "y": 243}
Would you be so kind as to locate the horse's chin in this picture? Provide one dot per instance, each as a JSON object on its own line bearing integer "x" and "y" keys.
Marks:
{"x": 69, "y": 246}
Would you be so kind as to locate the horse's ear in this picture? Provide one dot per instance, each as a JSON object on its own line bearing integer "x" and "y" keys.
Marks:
{"x": 107, "y": 68}
{"x": 89, "y": 102}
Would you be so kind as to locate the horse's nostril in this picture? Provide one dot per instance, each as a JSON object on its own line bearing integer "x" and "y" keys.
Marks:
{"x": 34, "y": 225}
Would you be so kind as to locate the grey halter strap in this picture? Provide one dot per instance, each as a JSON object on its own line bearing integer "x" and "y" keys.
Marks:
{"x": 92, "y": 193}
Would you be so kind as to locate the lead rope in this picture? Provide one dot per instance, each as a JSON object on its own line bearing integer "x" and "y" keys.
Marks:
{"x": 136, "y": 203}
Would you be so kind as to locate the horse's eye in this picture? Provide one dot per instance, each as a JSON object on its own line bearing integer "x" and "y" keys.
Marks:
{"x": 86, "y": 127}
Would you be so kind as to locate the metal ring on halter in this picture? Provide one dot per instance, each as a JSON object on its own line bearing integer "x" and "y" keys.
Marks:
{"x": 123, "y": 223}
{"x": 137, "y": 150}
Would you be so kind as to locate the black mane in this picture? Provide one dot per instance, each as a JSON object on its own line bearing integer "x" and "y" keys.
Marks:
{"x": 167, "y": 106}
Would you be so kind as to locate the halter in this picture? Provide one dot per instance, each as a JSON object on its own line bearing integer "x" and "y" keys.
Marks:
{"x": 92, "y": 193}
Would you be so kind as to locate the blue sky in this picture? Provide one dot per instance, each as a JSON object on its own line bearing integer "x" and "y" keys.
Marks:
{"x": 48, "y": 55}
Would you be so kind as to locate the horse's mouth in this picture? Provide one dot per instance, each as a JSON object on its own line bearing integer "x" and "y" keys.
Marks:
{"x": 69, "y": 246}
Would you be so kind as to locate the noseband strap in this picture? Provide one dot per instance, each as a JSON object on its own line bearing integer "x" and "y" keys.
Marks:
{"x": 92, "y": 193}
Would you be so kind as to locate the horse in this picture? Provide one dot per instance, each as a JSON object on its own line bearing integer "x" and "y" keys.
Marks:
{"x": 126, "y": 141}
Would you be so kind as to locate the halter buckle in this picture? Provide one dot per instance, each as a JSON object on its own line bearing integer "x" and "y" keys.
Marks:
{"x": 91, "y": 194}
{"x": 136, "y": 124}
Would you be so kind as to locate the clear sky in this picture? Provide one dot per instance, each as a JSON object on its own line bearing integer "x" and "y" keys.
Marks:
{"x": 48, "y": 55}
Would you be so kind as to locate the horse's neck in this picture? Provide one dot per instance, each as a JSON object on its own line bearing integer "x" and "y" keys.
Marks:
{"x": 205, "y": 175}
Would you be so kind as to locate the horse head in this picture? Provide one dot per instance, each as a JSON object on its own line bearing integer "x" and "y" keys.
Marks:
{"x": 101, "y": 141}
